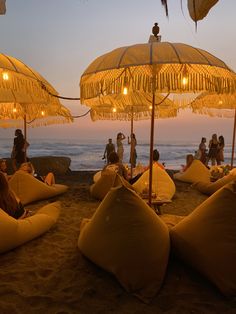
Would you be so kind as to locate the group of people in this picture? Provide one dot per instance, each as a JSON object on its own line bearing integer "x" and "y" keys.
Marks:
{"x": 110, "y": 148}
{"x": 214, "y": 152}
{"x": 9, "y": 202}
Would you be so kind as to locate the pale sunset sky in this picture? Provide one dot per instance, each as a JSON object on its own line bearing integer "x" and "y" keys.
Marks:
{"x": 60, "y": 38}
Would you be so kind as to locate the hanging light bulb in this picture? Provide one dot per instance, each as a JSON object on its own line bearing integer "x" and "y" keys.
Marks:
{"x": 5, "y": 76}
{"x": 43, "y": 113}
{"x": 14, "y": 108}
{"x": 125, "y": 88}
{"x": 185, "y": 75}
{"x": 220, "y": 102}
{"x": 150, "y": 107}
{"x": 113, "y": 109}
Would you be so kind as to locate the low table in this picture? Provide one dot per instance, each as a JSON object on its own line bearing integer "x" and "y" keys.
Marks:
{"x": 156, "y": 203}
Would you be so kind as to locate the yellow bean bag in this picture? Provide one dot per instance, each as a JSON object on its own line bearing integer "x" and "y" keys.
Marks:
{"x": 30, "y": 189}
{"x": 206, "y": 239}
{"x": 107, "y": 180}
{"x": 162, "y": 184}
{"x": 127, "y": 238}
{"x": 15, "y": 232}
{"x": 209, "y": 188}
{"x": 195, "y": 173}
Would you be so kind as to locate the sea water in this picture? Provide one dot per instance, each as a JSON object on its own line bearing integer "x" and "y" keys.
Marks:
{"x": 87, "y": 155}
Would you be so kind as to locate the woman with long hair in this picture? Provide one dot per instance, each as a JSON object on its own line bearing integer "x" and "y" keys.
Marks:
{"x": 220, "y": 151}
{"x": 8, "y": 200}
{"x": 120, "y": 149}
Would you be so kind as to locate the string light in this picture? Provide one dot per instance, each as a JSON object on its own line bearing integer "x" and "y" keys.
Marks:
{"x": 125, "y": 88}
{"x": 5, "y": 76}
{"x": 185, "y": 75}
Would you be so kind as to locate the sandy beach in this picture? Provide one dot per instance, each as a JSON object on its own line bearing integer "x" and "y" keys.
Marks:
{"x": 50, "y": 275}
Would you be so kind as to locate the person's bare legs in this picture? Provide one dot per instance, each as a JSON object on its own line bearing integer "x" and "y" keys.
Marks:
{"x": 50, "y": 179}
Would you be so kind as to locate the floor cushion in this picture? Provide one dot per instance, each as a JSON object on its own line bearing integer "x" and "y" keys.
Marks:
{"x": 195, "y": 173}
{"x": 206, "y": 239}
{"x": 107, "y": 180}
{"x": 209, "y": 188}
{"x": 127, "y": 238}
{"x": 30, "y": 189}
{"x": 162, "y": 184}
{"x": 14, "y": 233}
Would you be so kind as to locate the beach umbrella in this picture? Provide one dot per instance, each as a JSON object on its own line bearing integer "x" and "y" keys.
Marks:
{"x": 155, "y": 67}
{"x": 131, "y": 108}
{"x": 25, "y": 95}
{"x": 217, "y": 105}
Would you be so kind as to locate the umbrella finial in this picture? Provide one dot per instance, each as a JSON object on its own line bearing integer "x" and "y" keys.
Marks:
{"x": 155, "y": 31}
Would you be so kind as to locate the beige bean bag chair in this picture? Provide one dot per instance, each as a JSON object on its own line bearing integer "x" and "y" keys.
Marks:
{"x": 30, "y": 189}
{"x": 209, "y": 188}
{"x": 195, "y": 173}
{"x": 127, "y": 238}
{"x": 162, "y": 184}
{"x": 206, "y": 239}
{"x": 15, "y": 232}
{"x": 105, "y": 182}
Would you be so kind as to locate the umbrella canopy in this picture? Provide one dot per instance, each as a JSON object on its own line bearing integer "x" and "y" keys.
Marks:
{"x": 26, "y": 95}
{"x": 155, "y": 67}
{"x": 131, "y": 107}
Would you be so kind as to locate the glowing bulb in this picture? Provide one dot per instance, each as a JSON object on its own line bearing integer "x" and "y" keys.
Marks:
{"x": 220, "y": 102}
{"x": 14, "y": 109}
{"x": 114, "y": 110}
{"x": 42, "y": 113}
{"x": 185, "y": 80}
{"x": 150, "y": 107}
{"x": 125, "y": 90}
{"x": 5, "y": 76}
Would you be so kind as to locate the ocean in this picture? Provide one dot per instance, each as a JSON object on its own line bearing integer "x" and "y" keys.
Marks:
{"x": 87, "y": 155}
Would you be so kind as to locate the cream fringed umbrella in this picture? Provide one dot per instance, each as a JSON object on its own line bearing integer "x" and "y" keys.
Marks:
{"x": 217, "y": 105}
{"x": 152, "y": 68}
{"x": 25, "y": 95}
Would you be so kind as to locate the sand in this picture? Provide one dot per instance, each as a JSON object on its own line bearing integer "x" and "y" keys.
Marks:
{"x": 50, "y": 275}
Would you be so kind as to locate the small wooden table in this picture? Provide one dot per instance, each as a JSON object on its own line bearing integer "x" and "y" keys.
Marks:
{"x": 156, "y": 203}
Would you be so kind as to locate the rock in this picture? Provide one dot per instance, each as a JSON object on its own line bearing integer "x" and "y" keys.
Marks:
{"x": 45, "y": 164}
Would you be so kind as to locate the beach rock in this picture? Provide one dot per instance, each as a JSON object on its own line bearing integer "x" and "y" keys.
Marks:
{"x": 44, "y": 164}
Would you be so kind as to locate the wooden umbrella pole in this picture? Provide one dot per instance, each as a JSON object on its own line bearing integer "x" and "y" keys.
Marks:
{"x": 151, "y": 150}
{"x": 25, "y": 135}
{"x": 132, "y": 142}
{"x": 233, "y": 142}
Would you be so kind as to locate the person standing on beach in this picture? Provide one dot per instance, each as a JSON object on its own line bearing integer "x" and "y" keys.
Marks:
{"x": 20, "y": 145}
{"x": 213, "y": 148}
{"x": 110, "y": 147}
{"x": 203, "y": 150}
{"x": 120, "y": 149}
{"x": 133, "y": 154}
{"x": 220, "y": 151}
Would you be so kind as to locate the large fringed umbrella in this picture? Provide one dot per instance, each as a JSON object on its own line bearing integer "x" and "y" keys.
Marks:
{"x": 131, "y": 108}
{"x": 25, "y": 95}
{"x": 217, "y": 105}
{"x": 152, "y": 68}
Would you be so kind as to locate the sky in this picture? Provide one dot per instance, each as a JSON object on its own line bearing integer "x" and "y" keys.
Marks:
{"x": 60, "y": 38}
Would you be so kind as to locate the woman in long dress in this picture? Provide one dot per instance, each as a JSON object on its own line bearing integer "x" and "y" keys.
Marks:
{"x": 120, "y": 148}
{"x": 220, "y": 152}
{"x": 133, "y": 154}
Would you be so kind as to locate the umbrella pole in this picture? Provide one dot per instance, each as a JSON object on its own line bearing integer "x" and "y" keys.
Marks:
{"x": 25, "y": 135}
{"x": 132, "y": 143}
{"x": 151, "y": 150}
{"x": 233, "y": 142}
